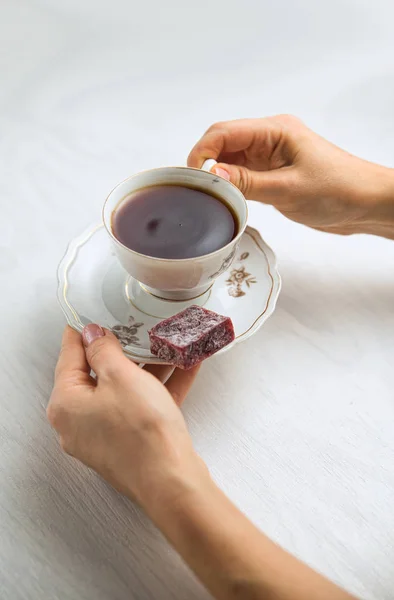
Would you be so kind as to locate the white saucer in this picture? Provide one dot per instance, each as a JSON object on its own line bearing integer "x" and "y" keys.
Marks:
{"x": 94, "y": 288}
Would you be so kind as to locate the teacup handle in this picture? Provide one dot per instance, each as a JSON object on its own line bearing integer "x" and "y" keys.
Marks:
{"x": 208, "y": 164}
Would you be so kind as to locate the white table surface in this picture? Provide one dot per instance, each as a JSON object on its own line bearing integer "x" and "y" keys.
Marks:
{"x": 297, "y": 424}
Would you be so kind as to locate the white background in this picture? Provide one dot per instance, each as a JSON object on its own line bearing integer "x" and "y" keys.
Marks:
{"x": 297, "y": 424}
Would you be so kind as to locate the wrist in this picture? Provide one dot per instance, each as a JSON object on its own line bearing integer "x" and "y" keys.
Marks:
{"x": 177, "y": 508}
{"x": 167, "y": 488}
{"x": 375, "y": 197}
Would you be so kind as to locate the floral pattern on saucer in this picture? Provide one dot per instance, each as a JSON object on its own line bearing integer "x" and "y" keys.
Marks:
{"x": 127, "y": 334}
{"x": 238, "y": 277}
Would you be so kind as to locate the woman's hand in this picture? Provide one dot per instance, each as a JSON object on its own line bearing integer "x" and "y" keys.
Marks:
{"x": 279, "y": 161}
{"x": 126, "y": 425}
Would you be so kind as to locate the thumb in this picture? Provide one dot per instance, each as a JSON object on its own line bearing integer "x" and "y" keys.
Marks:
{"x": 264, "y": 186}
{"x": 104, "y": 352}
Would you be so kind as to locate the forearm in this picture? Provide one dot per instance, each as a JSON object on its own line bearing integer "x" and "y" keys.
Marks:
{"x": 229, "y": 554}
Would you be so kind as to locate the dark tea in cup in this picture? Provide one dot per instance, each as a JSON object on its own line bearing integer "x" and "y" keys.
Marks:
{"x": 174, "y": 222}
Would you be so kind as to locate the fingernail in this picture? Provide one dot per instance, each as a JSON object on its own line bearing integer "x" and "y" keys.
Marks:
{"x": 91, "y": 333}
{"x": 222, "y": 173}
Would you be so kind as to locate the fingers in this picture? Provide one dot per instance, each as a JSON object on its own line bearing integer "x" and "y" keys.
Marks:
{"x": 265, "y": 186}
{"x": 104, "y": 353}
{"x": 231, "y": 136}
{"x": 98, "y": 349}
{"x": 161, "y": 372}
{"x": 180, "y": 383}
{"x": 245, "y": 140}
{"x": 254, "y": 154}
{"x": 72, "y": 364}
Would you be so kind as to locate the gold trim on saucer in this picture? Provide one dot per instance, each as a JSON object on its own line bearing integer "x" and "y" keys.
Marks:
{"x": 251, "y": 229}
{"x": 169, "y": 299}
{"x": 71, "y": 262}
{"x": 126, "y": 290}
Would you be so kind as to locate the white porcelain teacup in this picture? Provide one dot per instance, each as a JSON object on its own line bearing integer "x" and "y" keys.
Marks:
{"x": 177, "y": 279}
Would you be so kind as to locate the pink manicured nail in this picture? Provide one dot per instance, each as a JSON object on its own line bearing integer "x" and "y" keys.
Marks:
{"x": 91, "y": 333}
{"x": 222, "y": 173}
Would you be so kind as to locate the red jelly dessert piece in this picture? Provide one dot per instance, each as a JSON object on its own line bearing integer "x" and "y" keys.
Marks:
{"x": 191, "y": 336}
